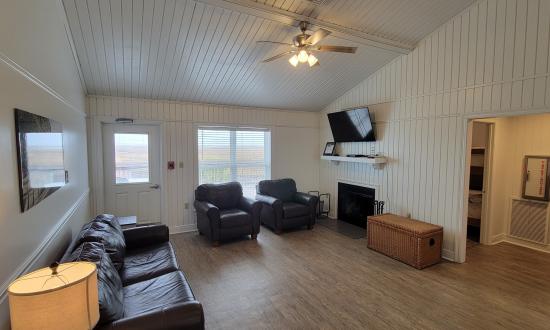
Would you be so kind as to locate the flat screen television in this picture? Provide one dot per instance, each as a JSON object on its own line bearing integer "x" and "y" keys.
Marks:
{"x": 40, "y": 157}
{"x": 352, "y": 125}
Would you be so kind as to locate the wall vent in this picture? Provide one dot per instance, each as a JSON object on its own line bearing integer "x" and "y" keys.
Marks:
{"x": 529, "y": 221}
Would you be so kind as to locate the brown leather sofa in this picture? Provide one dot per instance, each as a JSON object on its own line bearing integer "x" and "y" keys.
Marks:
{"x": 139, "y": 281}
{"x": 283, "y": 207}
{"x": 223, "y": 212}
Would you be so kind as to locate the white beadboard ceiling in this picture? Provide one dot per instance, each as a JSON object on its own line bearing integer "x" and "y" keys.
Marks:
{"x": 206, "y": 50}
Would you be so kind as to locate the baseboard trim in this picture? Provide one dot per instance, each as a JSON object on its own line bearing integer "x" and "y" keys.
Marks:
{"x": 525, "y": 244}
{"x": 498, "y": 239}
{"x": 448, "y": 255}
{"x": 26, "y": 266}
{"x": 184, "y": 229}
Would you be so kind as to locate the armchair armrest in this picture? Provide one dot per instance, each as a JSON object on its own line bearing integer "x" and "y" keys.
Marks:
{"x": 271, "y": 201}
{"x": 211, "y": 210}
{"x": 249, "y": 205}
{"x": 305, "y": 199}
{"x": 146, "y": 235}
{"x": 187, "y": 315}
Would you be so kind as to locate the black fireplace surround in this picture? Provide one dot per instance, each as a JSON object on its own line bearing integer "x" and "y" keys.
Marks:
{"x": 355, "y": 203}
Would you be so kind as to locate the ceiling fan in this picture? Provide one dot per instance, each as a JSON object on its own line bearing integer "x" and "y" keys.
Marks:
{"x": 304, "y": 45}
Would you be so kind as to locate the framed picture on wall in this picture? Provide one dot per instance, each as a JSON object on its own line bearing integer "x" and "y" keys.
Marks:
{"x": 535, "y": 177}
{"x": 329, "y": 149}
{"x": 39, "y": 157}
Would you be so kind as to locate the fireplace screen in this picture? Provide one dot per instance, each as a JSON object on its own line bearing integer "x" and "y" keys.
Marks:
{"x": 355, "y": 204}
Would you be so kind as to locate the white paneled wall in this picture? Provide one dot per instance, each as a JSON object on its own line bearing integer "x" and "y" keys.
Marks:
{"x": 294, "y": 135}
{"x": 490, "y": 59}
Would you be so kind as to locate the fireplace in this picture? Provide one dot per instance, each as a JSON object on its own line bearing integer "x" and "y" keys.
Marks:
{"x": 355, "y": 203}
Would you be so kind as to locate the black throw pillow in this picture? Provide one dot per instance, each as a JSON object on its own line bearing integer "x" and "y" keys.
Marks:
{"x": 108, "y": 281}
{"x": 111, "y": 220}
{"x": 112, "y": 240}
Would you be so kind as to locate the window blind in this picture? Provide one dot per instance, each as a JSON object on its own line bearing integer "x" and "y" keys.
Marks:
{"x": 227, "y": 154}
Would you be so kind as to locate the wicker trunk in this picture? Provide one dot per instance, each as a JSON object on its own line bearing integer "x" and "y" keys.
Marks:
{"x": 413, "y": 242}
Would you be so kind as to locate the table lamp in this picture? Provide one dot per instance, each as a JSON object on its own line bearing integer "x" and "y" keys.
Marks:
{"x": 63, "y": 296}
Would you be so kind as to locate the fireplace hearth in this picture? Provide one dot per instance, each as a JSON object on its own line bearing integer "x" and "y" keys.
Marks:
{"x": 355, "y": 203}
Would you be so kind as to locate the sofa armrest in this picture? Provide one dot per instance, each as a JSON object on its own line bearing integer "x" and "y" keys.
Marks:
{"x": 187, "y": 315}
{"x": 146, "y": 235}
{"x": 271, "y": 201}
{"x": 305, "y": 199}
{"x": 212, "y": 211}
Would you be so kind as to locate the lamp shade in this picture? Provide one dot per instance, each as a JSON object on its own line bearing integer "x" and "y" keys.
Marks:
{"x": 61, "y": 297}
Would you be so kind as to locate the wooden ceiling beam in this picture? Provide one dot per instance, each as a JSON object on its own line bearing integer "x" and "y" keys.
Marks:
{"x": 289, "y": 18}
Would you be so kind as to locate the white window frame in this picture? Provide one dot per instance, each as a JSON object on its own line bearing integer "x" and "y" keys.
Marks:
{"x": 233, "y": 129}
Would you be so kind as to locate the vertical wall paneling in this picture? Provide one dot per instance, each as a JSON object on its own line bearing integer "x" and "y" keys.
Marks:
{"x": 293, "y": 133}
{"x": 492, "y": 59}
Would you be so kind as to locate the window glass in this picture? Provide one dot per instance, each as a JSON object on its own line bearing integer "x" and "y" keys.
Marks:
{"x": 131, "y": 158}
{"x": 234, "y": 155}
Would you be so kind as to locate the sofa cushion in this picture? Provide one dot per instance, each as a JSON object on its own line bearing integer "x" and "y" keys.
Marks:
{"x": 234, "y": 218}
{"x": 157, "y": 293}
{"x": 148, "y": 262}
{"x": 283, "y": 189}
{"x": 112, "y": 240}
{"x": 293, "y": 210}
{"x": 108, "y": 281}
{"x": 223, "y": 195}
{"x": 111, "y": 220}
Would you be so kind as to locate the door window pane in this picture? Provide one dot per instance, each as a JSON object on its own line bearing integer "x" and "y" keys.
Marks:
{"x": 131, "y": 158}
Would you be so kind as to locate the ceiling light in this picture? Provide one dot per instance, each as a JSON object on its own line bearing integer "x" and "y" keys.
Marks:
{"x": 312, "y": 60}
{"x": 302, "y": 56}
{"x": 294, "y": 60}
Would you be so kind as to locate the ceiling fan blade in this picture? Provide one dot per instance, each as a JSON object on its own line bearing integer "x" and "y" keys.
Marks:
{"x": 317, "y": 36}
{"x": 276, "y": 57}
{"x": 337, "y": 49}
{"x": 274, "y": 42}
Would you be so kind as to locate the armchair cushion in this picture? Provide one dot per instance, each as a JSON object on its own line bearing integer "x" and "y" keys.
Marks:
{"x": 234, "y": 218}
{"x": 292, "y": 210}
{"x": 223, "y": 195}
{"x": 283, "y": 189}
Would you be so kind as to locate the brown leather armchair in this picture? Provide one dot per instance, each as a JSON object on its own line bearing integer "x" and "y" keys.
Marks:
{"x": 283, "y": 207}
{"x": 224, "y": 213}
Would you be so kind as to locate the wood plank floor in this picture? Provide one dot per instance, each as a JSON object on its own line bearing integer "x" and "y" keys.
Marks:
{"x": 321, "y": 279}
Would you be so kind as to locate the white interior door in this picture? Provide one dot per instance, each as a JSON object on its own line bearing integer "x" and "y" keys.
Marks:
{"x": 132, "y": 171}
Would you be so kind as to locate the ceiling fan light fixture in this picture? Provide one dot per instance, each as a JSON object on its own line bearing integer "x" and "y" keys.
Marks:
{"x": 312, "y": 60}
{"x": 294, "y": 60}
{"x": 303, "y": 56}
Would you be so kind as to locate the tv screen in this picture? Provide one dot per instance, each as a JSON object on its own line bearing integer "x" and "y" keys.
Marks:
{"x": 40, "y": 157}
{"x": 352, "y": 125}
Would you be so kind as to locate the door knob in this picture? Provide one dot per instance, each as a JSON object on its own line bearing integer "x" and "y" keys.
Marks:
{"x": 155, "y": 186}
